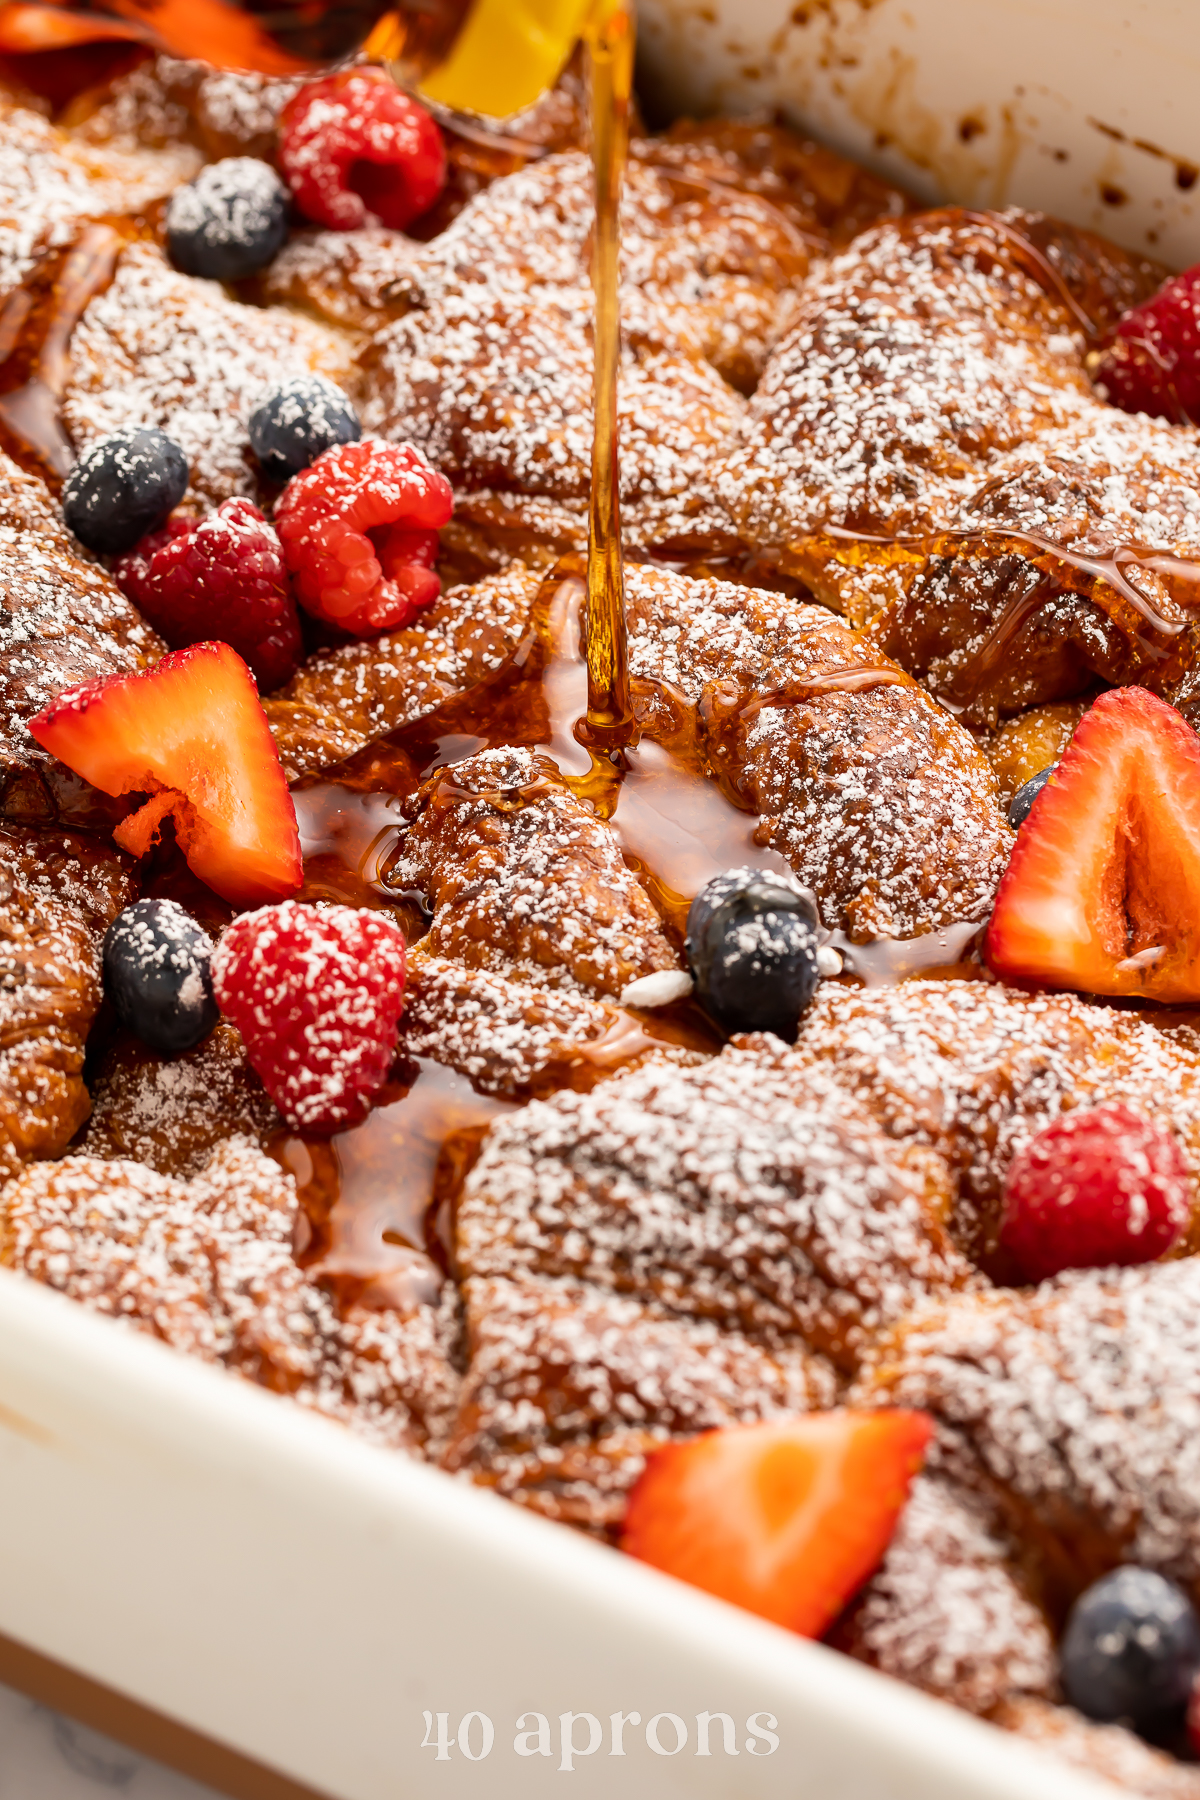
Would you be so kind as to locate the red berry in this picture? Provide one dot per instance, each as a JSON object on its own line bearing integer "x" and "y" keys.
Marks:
{"x": 359, "y": 532}
{"x": 1086, "y": 902}
{"x": 1099, "y": 1186}
{"x": 355, "y": 151}
{"x": 190, "y": 733}
{"x": 787, "y": 1518}
{"x": 1152, "y": 363}
{"x": 316, "y": 993}
{"x": 222, "y": 577}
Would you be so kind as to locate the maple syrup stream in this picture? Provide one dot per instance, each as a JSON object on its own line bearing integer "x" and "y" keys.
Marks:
{"x": 610, "y": 45}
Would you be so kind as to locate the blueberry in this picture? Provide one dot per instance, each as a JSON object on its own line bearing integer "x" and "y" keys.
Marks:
{"x": 156, "y": 973}
{"x": 230, "y": 221}
{"x": 1131, "y": 1650}
{"x": 294, "y": 422}
{"x": 1022, "y": 801}
{"x": 123, "y": 487}
{"x": 752, "y": 941}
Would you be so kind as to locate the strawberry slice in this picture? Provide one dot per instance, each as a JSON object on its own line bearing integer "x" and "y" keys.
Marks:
{"x": 191, "y": 733}
{"x": 787, "y": 1519}
{"x": 1102, "y": 891}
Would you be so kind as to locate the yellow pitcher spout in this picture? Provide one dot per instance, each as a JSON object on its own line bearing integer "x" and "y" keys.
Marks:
{"x": 511, "y": 51}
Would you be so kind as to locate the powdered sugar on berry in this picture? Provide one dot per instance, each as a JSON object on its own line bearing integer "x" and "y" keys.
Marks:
{"x": 160, "y": 348}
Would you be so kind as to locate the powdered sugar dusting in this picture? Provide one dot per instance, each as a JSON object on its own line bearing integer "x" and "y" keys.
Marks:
{"x": 173, "y": 1115}
{"x": 208, "y": 1267}
{"x": 1082, "y": 1398}
{"x": 569, "y": 1387}
{"x": 946, "y": 1610}
{"x": 523, "y": 878}
{"x": 49, "y": 185}
{"x": 725, "y": 1191}
{"x": 344, "y": 698}
{"x": 879, "y": 801}
{"x": 58, "y": 894}
{"x": 1108, "y": 1751}
{"x": 160, "y": 348}
{"x": 63, "y": 621}
{"x": 974, "y": 1070}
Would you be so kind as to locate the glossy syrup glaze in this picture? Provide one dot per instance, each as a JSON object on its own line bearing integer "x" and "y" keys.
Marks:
{"x": 376, "y": 1198}
{"x": 36, "y": 322}
{"x": 678, "y": 822}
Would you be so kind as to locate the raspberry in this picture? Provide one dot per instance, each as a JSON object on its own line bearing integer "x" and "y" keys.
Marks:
{"x": 356, "y": 151}
{"x": 359, "y": 531}
{"x": 316, "y": 993}
{"x": 1152, "y": 363}
{"x": 1099, "y": 1186}
{"x": 220, "y": 577}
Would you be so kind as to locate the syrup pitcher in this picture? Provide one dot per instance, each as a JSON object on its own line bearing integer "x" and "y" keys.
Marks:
{"x": 489, "y": 57}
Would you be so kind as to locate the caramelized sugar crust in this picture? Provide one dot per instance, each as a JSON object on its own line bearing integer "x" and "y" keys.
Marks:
{"x": 59, "y": 892}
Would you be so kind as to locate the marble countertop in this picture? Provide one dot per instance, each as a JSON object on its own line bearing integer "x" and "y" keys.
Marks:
{"x": 44, "y": 1756}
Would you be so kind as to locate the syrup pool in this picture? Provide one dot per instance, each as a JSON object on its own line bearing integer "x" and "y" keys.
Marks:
{"x": 676, "y": 827}
{"x": 372, "y": 1196}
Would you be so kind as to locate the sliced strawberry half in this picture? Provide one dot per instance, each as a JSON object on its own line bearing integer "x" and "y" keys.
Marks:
{"x": 787, "y": 1519}
{"x": 192, "y": 734}
{"x": 1102, "y": 891}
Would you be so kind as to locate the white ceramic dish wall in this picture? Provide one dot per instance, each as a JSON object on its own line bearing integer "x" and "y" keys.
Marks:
{"x": 1086, "y": 108}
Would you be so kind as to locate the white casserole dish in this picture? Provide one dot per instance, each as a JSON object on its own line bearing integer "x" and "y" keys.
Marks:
{"x": 259, "y": 1576}
{"x": 269, "y": 1580}
{"x": 1085, "y": 108}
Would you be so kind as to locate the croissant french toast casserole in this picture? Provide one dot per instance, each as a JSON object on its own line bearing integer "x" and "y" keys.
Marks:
{"x": 772, "y": 1146}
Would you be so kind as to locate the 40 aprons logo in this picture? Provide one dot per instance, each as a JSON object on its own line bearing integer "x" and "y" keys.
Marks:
{"x": 582, "y": 1734}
